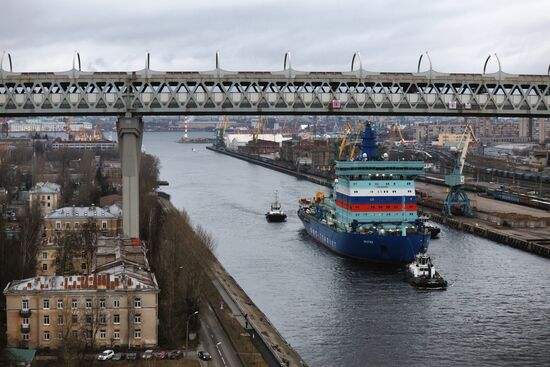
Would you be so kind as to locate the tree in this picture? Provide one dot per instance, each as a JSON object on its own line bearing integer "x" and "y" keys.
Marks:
{"x": 29, "y": 236}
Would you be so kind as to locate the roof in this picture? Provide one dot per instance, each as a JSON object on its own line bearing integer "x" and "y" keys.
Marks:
{"x": 46, "y": 188}
{"x": 113, "y": 279}
{"x": 84, "y": 212}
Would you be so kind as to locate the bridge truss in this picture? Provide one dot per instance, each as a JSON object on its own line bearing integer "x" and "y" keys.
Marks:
{"x": 149, "y": 92}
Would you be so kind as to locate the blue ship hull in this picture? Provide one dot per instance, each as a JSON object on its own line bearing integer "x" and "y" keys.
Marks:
{"x": 386, "y": 249}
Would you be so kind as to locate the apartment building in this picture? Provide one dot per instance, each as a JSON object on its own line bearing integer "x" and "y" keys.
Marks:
{"x": 47, "y": 195}
{"x": 114, "y": 306}
{"x": 106, "y": 222}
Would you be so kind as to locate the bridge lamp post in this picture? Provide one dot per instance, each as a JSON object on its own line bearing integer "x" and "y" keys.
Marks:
{"x": 187, "y": 332}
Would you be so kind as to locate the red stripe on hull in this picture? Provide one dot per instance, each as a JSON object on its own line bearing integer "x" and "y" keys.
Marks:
{"x": 375, "y": 207}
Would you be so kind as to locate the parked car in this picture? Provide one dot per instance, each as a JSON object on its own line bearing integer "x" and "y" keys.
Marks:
{"x": 159, "y": 355}
{"x": 106, "y": 355}
{"x": 148, "y": 354}
{"x": 118, "y": 356}
{"x": 205, "y": 356}
{"x": 132, "y": 356}
{"x": 175, "y": 354}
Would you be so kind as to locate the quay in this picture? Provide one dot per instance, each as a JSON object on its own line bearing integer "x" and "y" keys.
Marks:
{"x": 522, "y": 227}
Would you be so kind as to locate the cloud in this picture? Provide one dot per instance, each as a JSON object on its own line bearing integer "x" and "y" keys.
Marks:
{"x": 254, "y": 35}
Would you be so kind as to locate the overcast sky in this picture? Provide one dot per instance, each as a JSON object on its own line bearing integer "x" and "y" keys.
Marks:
{"x": 254, "y": 35}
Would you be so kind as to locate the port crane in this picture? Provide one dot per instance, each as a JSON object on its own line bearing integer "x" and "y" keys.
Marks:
{"x": 456, "y": 195}
{"x": 220, "y": 132}
{"x": 348, "y": 139}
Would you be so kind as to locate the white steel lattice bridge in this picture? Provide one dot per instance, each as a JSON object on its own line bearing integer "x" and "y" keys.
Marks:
{"x": 357, "y": 92}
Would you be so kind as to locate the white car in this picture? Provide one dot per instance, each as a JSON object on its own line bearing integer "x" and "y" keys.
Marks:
{"x": 106, "y": 355}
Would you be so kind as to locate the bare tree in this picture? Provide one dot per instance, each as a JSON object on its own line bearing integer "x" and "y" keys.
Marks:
{"x": 30, "y": 229}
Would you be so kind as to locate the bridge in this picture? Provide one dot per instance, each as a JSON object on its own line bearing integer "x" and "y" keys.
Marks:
{"x": 148, "y": 92}
{"x": 131, "y": 95}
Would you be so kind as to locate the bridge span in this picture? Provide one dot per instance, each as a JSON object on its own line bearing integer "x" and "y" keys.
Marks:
{"x": 149, "y": 92}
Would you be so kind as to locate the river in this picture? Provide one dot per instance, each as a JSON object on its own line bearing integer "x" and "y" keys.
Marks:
{"x": 338, "y": 312}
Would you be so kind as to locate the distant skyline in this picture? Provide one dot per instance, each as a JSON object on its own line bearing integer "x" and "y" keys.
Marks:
{"x": 254, "y": 35}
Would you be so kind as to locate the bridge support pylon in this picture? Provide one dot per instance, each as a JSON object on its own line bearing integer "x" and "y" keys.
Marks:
{"x": 130, "y": 133}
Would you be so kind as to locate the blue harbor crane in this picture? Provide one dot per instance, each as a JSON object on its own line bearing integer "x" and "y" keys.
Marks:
{"x": 457, "y": 197}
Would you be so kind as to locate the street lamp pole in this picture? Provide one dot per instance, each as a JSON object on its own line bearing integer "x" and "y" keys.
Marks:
{"x": 187, "y": 331}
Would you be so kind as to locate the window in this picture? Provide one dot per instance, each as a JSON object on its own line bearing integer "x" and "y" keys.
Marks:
{"x": 44, "y": 255}
{"x": 74, "y": 303}
{"x": 25, "y": 336}
{"x": 74, "y": 319}
{"x": 74, "y": 333}
{"x": 59, "y": 319}
{"x": 88, "y": 319}
{"x": 48, "y": 197}
{"x": 59, "y": 335}
{"x": 46, "y": 304}
{"x": 116, "y": 334}
{"x": 103, "y": 334}
{"x": 44, "y": 267}
{"x": 116, "y": 319}
{"x": 60, "y": 304}
{"x": 102, "y": 319}
{"x": 137, "y": 334}
{"x": 116, "y": 303}
{"x": 104, "y": 225}
{"x": 58, "y": 226}
{"x": 137, "y": 319}
{"x": 67, "y": 226}
{"x": 137, "y": 302}
{"x": 25, "y": 321}
{"x": 88, "y": 303}
{"x": 46, "y": 335}
{"x": 76, "y": 225}
{"x": 84, "y": 266}
{"x": 102, "y": 302}
{"x": 46, "y": 320}
{"x": 25, "y": 304}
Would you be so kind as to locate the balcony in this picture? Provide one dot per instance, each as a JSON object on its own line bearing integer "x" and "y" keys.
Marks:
{"x": 24, "y": 312}
{"x": 25, "y": 328}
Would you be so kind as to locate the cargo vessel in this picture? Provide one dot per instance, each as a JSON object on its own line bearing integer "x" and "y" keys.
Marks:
{"x": 371, "y": 212}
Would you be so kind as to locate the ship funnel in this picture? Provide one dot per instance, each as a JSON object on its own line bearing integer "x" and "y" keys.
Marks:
{"x": 369, "y": 150}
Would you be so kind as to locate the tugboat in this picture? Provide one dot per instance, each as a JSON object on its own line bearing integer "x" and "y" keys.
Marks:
{"x": 421, "y": 273}
{"x": 434, "y": 231}
{"x": 275, "y": 214}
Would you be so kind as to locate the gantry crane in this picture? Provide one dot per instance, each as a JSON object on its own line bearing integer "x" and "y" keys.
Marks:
{"x": 456, "y": 196}
{"x": 220, "y": 132}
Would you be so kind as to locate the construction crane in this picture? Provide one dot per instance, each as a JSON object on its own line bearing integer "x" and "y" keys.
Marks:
{"x": 346, "y": 131}
{"x": 457, "y": 197}
{"x": 220, "y": 132}
{"x": 393, "y": 130}
{"x": 357, "y": 140}
{"x": 68, "y": 129}
{"x": 259, "y": 129}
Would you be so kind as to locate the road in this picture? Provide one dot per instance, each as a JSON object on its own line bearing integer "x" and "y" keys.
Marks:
{"x": 211, "y": 335}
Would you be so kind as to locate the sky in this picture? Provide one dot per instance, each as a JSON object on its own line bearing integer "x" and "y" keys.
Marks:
{"x": 113, "y": 35}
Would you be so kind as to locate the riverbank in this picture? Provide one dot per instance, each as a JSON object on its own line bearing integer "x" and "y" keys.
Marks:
{"x": 254, "y": 338}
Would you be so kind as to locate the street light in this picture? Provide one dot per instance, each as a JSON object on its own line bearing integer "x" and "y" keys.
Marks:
{"x": 187, "y": 331}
